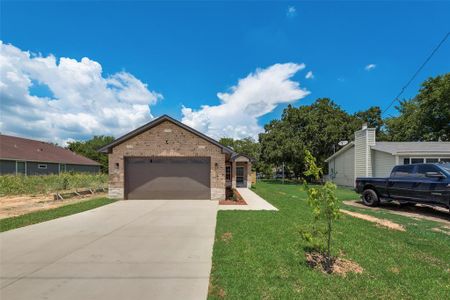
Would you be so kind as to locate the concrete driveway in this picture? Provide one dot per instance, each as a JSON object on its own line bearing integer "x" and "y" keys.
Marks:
{"x": 142, "y": 249}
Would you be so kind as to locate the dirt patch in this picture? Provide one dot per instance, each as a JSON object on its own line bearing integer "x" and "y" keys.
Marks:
{"x": 12, "y": 206}
{"x": 395, "y": 270}
{"x": 226, "y": 237}
{"x": 216, "y": 291}
{"x": 381, "y": 222}
{"x": 340, "y": 266}
{"x": 444, "y": 230}
{"x": 417, "y": 212}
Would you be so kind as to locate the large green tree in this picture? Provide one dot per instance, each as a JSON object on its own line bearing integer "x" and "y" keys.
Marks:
{"x": 249, "y": 147}
{"x": 426, "y": 117}
{"x": 89, "y": 149}
{"x": 318, "y": 127}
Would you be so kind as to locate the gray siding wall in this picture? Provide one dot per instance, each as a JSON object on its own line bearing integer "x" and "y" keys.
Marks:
{"x": 7, "y": 167}
{"x": 382, "y": 163}
{"x": 32, "y": 168}
{"x": 82, "y": 168}
{"x": 344, "y": 167}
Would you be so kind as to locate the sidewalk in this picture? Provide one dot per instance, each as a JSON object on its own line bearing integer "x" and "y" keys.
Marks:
{"x": 254, "y": 202}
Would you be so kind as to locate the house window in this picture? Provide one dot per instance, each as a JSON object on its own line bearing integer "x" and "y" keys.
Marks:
{"x": 432, "y": 160}
{"x": 21, "y": 167}
{"x": 228, "y": 172}
{"x": 417, "y": 160}
{"x": 42, "y": 166}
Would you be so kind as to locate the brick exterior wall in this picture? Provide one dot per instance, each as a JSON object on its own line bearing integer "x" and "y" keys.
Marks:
{"x": 166, "y": 139}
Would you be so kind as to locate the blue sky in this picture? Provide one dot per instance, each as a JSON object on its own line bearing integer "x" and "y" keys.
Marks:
{"x": 189, "y": 51}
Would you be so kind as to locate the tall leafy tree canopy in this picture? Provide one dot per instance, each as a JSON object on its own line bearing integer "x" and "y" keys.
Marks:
{"x": 89, "y": 149}
{"x": 317, "y": 127}
{"x": 425, "y": 117}
{"x": 247, "y": 146}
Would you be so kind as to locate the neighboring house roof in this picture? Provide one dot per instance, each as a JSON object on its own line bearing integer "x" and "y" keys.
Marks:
{"x": 157, "y": 121}
{"x": 342, "y": 150}
{"x": 17, "y": 148}
{"x": 397, "y": 148}
{"x": 403, "y": 148}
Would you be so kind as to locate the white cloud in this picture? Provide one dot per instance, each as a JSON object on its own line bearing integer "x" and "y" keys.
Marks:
{"x": 82, "y": 101}
{"x": 253, "y": 96}
{"x": 370, "y": 67}
{"x": 309, "y": 75}
{"x": 291, "y": 11}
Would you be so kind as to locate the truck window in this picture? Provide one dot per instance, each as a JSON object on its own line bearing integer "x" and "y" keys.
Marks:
{"x": 403, "y": 171}
{"x": 423, "y": 169}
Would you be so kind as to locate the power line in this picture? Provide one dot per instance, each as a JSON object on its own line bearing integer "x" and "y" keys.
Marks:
{"x": 417, "y": 72}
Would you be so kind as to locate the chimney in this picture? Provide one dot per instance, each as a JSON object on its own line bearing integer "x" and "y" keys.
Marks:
{"x": 364, "y": 139}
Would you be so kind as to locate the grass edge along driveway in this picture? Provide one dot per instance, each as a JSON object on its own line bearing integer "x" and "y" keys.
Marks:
{"x": 260, "y": 254}
{"x": 50, "y": 214}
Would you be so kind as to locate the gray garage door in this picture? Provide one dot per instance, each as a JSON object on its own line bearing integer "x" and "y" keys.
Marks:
{"x": 167, "y": 178}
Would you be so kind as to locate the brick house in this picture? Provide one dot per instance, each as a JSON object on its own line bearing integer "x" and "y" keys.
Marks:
{"x": 165, "y": 159}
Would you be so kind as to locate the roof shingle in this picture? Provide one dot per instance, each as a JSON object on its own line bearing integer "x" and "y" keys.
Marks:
{"x": 16, "y": 148}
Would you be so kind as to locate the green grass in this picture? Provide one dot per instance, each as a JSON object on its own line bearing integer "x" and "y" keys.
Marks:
{"x": 265, "y": 258}
{"x": 46, "y": 215}
{"x": 44, "y": 184}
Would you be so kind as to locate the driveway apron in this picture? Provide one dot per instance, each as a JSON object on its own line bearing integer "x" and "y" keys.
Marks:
{"x": 141, "y": 249}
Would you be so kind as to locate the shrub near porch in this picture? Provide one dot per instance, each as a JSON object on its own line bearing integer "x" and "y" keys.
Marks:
{"x": 263, "y": 255}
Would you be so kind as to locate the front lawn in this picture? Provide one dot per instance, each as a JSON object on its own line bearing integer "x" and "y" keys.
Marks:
{"x": 50, "y": 214}
{"x": 260, "y": 254}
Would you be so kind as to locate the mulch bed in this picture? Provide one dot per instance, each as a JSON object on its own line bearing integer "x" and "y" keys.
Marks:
{"x": 237, "y": 201}
{"x": 232, "y": 202}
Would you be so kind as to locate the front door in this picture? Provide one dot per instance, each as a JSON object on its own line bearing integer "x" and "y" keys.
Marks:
{"x": 240, "y": 176}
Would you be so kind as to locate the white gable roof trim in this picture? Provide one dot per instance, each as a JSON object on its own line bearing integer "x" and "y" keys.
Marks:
{"x": 399, "y": 148}
{"x": 342, "y": 150}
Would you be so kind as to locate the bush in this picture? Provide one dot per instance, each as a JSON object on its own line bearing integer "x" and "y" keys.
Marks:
{"x": 45, "y": 184}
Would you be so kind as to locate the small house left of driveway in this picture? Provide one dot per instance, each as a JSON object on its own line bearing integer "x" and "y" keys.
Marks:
{"x": 20, "y": 156}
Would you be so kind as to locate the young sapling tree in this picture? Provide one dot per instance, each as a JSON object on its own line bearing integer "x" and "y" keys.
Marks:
{"x": 325, "y": 208}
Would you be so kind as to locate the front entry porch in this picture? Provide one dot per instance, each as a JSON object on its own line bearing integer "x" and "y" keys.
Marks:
{"x": 238, "y": 172}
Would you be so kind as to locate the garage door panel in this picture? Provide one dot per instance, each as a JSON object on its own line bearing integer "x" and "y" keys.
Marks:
{"x": 167, "y": 178}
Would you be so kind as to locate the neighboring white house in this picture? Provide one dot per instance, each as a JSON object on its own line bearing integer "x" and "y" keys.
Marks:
{"x": 364, "y": 157}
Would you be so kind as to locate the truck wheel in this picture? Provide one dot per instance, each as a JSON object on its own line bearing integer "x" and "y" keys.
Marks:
{"x": 370, "y": 198}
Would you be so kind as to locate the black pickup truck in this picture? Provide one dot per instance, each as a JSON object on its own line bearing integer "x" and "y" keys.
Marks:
{"x": 408, "y": 184}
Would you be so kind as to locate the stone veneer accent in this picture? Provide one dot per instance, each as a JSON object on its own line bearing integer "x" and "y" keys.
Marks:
{"x": 166, "y": 139}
